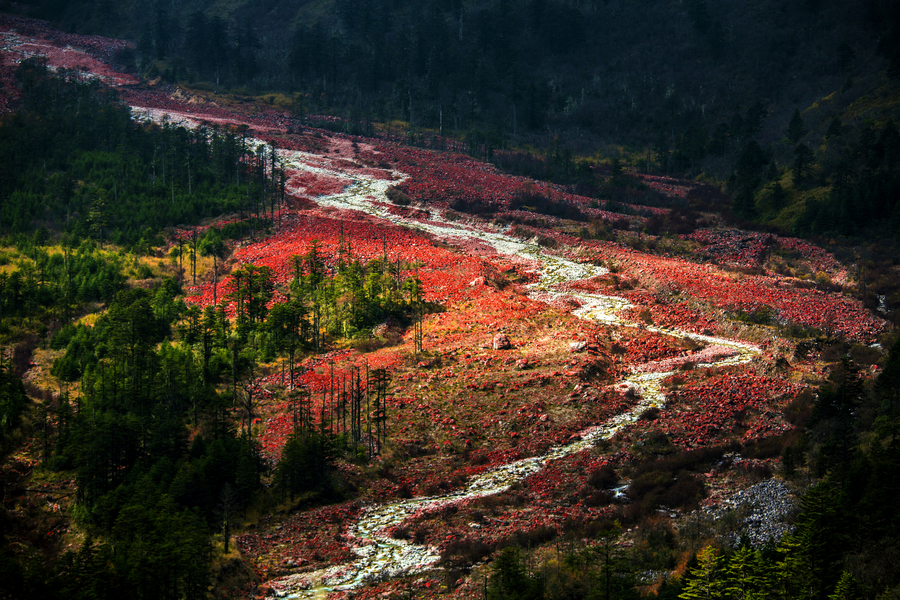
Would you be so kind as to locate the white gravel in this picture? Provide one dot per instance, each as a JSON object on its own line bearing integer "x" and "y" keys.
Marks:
{"x": 769, "y": 506}
{"x": 380, "y": 556}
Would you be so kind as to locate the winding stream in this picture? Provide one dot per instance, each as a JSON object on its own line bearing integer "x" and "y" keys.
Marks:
{"x": 380, "y": 556}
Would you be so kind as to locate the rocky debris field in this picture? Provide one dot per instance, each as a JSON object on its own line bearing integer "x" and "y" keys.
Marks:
{"x": 765, "y": 508}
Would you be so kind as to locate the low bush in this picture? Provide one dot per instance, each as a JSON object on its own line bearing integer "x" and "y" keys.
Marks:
{"x": 398, "y": 197}
{"x": 652, "y": 489}
{"x": 529, "y": 538}
{"x": 603, "y": 478}
{"x": 770, "y": 447}
{"x": 651, "y": 414}
{"x": 472, "y": 206}
{"x": 535, "y": 202}
{"x": 799, "y": 410}
{"x": 465, "y": 551}
{"x": 598, "y": 498}
{"x": 758, "y": 471}
{"x": 689, "y": 460}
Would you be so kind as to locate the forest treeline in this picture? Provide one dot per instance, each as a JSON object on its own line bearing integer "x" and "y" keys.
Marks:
{"x": 160, "y": 435}
{"x": 155, "y": 416}
{"x": 800, "y": 137}
{"x": 72, "y": 159}
{"x": 513, "y": 68}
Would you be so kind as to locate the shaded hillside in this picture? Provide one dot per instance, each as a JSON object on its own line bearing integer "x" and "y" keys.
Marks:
{"x": 643, "y": 73}
{"x": 676, "y": 87}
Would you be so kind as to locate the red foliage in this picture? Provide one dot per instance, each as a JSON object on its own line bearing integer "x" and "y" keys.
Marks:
{"x": 672, "y": 316}
{"x": 307, "y": 183}
{"x": 750, "y": 249}
{"x": 829, "y": 311}
{"x": 667, "y": 185}
{"x": 705, "y": 412}
{"x": 89, "y": 55}
{"x": 744, "y": 248}
{"x": 314, "y": 537}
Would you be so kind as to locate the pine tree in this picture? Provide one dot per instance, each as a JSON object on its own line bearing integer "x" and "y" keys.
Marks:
{"x": 707, "y": 580}
{"x": 213, "y": 245}
{"x": 835, "y": 128}
{"x": 13, "y": 399}
{"x": 794, "y": 571}
{"x": 846, "y": 589}
{"x": 748, "y": 577}
{"x": 747, "y": 178}
{"x": 796, "y": 128}
{"x": 511, "y": 581}
{"x": 378, "y": 382}
{"x": 778, "y": 196}
{"x": 802, "y": 161}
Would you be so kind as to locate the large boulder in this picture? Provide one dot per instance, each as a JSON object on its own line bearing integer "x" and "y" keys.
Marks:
{"x": 501, "y": 342}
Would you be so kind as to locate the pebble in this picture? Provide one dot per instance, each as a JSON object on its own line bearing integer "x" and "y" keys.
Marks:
{"x": 577, "y": 346}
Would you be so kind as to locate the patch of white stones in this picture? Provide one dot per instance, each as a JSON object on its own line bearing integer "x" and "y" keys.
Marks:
{"x": 380, "y": 556}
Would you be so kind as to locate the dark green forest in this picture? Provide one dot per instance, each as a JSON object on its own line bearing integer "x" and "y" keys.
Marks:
{"x": 72, "y": 159}
{"x": 159, "y": 434}
{"x": 788, "y": 106}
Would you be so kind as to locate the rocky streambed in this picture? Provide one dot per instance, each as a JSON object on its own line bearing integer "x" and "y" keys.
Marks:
{"x": 380, "y": 556}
